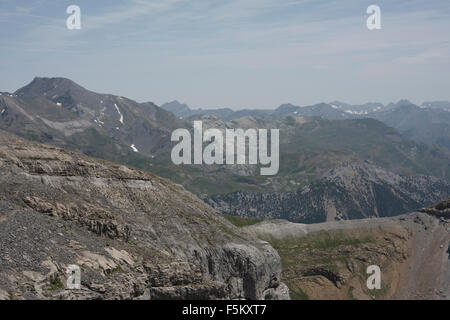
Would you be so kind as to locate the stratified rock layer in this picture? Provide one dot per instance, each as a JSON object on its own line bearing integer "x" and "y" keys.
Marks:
{"x": 330, "y": 260}
{"x": 133, "y": 235}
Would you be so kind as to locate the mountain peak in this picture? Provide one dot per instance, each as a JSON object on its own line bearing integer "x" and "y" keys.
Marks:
{"x": 404, "y": 102}
{"x": 400, "y": 103}
{"x": 286, "y": 107}
{"x": 339, "y": 103}
{"x": 445, "y": 105}
{"x": 175, "y": 106}
{"x": 43, "y": 86}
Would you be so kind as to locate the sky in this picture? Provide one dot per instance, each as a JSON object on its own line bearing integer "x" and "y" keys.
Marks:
{"x": 233, "y": 53}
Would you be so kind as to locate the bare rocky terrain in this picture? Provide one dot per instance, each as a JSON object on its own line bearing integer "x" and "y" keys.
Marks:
{"x": 134, "y": 235}
{"x": 329, "y": 260}
{"x": 349, "y": 191}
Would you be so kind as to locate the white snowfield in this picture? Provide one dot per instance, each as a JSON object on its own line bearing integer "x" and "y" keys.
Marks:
{"x": 120, "y": 114}
{"x": 134, "y": 148}
{"x": 356, "y": 112}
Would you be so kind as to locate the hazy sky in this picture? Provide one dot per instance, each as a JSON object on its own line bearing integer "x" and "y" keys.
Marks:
{"x": 233, "y": 53}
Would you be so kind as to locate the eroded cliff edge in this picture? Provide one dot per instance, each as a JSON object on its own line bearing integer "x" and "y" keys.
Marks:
{"x": 329, "y": 260}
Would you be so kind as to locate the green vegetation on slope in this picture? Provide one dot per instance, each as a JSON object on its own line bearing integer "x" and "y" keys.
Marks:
{"x": 332, "y": 264}
{"x": 241, "y": 222}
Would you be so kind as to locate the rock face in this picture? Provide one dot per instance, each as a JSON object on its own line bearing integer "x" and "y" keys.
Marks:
{"x": 441, "y": 209}
{"x": 350, "y": 191}
{"x": 330, "y": 260}
{"x": 132, "y": 234}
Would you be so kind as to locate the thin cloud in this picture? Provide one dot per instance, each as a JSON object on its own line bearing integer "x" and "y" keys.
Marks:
{"x": 423, "y": 57}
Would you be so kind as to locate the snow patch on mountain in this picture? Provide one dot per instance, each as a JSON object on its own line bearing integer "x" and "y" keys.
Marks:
{"x": 120, "y": 114}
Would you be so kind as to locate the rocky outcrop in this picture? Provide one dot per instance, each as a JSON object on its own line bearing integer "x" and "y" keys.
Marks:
{"x": 132, "y": 235}
{"x": 330, "y": 260}
{"x": 350, "y": 191}
{"x": 441, "y": 209}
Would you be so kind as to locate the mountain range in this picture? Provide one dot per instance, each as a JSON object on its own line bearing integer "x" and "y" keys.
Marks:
{"x": 353, "y": 178}
{"x": 134, "y": 235}
{"x": 61, "y": 113}
{"x": 428, "y": 123}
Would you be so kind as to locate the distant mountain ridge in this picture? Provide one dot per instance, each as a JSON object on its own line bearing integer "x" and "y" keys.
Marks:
{"x": 183, "y": 111}
{"x": 343, "y": 110}
{"x": 444, "y": 105}
{"x": 350, "y": 191}
{"x": 428, "y": 123}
